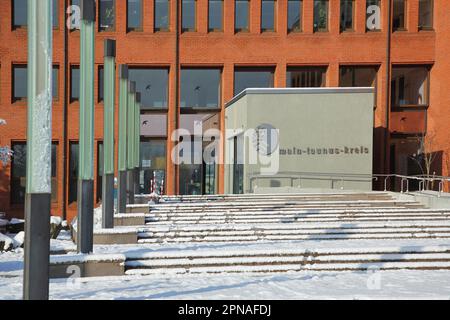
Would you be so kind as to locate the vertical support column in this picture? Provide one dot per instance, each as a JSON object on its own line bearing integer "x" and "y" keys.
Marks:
{"x": 137, "y": 155}
{"x": 108, "y": 134}
{"x": 131, "y": 141}
{"x": 122, "y": 156}
{"x": 85, "y": 222}
{"x": 39, "y": 144}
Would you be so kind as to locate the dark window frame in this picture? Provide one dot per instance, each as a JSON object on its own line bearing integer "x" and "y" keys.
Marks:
{"x": 137, "y": 29}
{"x": 431, "y": 27}
{"x": 158, "y": 29}
{"x": 242, "y": 30}
{"x": 361, "y": 66}
{"x": 300, "y": 27}
{"x": 25, "y": 26}
{"x": 222, "y": 17}
{"x": 271, "y": 69}
{"x": 190, "y": 109}
{"x": 405, "y": 17}
{"x": 274, "y": 26}
{"x": 71, "y": 98}
{"x": 352, "y": 29}
{"x": 400, "y": 107}
{"x": 327, "y": 27}
{"x": 154, "y": 67}
{"x": 109, "y": 28}
{"x": 308, "y": 68}
{"x": 194, "y": 29}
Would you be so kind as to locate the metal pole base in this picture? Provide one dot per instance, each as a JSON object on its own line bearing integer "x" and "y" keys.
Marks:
{"x": 130, "y": 186}
{"x": 108, "y": 201}
{"x": 37, "y": 246}
{"x": 85, "y": 220}
{"x": 122, "y": 192}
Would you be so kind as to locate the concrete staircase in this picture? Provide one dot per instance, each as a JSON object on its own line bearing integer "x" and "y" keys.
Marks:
{"x": 249, "y": 220}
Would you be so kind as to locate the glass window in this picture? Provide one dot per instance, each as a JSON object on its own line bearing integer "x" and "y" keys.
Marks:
{"x": 373, "y": 15}
{"x": 252, "y": 78}
{"x": 399, "y": 15}
{"x": 73, "y": 171}
{"x": 306, "y": 77}
{"x": 347, "y": 7}
{"x": 18, "y": 172}
{"x": 359, "y": 76}
{"x": 107, "y": 15}
{"x": 267, "y": 15}
{"x": 74, "y": 83}
{"x": 154, "y": 125}
{"x": 100, "y": 155}
{"x": 215, "y": 15}
{"x": 20, "y": 13}
{"x": 188, "y": 11}
{"x": 320, "y": 15}
{"x": 410, "y": 86}
{"x": 161, "y": 15}
{"x": 20, "y": 83}
{"x": 241, "y": 15}
{"x": 200, "y": 88}
{"x": 152, "y": 83}
{"x": 134, "y": 15}
{"x": 425, "y": 14}
{"x": 153, "y": 166}
{"x": 295, "y": 8}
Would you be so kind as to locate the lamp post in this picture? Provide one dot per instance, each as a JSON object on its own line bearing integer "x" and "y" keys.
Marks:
{"x": 85, "y": 222}
{"x": 131, "y": 141}
{"x": 122, "y": 156}
{"x": 137, "y": 137}
{"x": 39, "y": 144}
{"x": 108, "y": 134}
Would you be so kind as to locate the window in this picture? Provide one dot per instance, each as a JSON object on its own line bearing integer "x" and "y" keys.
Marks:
{"x": 241, "y": 15}
{"x": 134, "y": 15}
{"x": 252, "y": 78}
{"x": 267, "y": 15}
{"x": 306, "y": 77}
{"x": 373, "y": 15}
{"x": 161, "y": 15}
{"x": 188, "y": 11}
{"x": 399, "y": 15}
{"x": 107, "y": 15}
{"x": 359, "y": 76}
{"x": 20, "y": 13}
{"x": 294, "y": 15}
{"x": 18, "y": 172}
{"x": 425, "y": 14}
{"x": 73, "y": 171}
{"x": 215, "y": 15}
{"x": 320, "y": 15}
{"x": 410, "y": 86}
{"x": 200, "y": 88}
{"x": 152, "y": 83}
{"x": 20, "y": 82}
{"x": 347, "y": 7}
{"x": 74, "y": 83}
{"x": 153, "y": 165}
{"x": 101, "y": 83}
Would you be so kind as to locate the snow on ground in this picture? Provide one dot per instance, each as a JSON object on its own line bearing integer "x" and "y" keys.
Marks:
{"x": 402, "y": 284}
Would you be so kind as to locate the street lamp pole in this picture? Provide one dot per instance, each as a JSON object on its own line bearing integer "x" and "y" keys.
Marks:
{"x": 85, "y": 222}
{"x": 39, "y": 150}
{"x": 108, "y": 134}
{"x": 122, "y": 156}
{"x": 131, "y": 141}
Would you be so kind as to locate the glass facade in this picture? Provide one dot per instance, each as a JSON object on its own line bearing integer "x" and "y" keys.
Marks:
{"x": 106, "y": 15}
{"x": 294, "y": 15}
{"x": 161, "y": 15}
{"x": 241, "y": 15}
{"x": 426, "y": 14}
{"x": 399, "y": 15}
{"x": 215, "y": 15}
{"x": 20, "y": 83}
{"x": 347, "y": 9}
{"x": 188, "y": 15}
{"x": 152, "y": 83}
{"x": 321, "y": 15}
{"x": 305, "y": 77}
{"x": 268, "y": 15}
{"x": 153, "y": 166}
{"x": 134, "y": 15}
{"x": 410, "y": 86}
{"x": 252, "y": 78}
{"x": 74, "y": 83}
{"x": 200, "y": 88}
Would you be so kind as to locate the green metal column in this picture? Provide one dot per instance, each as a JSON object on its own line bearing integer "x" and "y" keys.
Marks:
{"x": 109, "y": 77}
{"x": 85, "y": 222}
{"x": 137, "y": 136}
{"x": 39, "y": 150}
{"x": 122, "y": 156}
{"x": 131, "y": 141}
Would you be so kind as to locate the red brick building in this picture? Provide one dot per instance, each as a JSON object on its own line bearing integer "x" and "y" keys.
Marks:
{"x": 220, "y": 48}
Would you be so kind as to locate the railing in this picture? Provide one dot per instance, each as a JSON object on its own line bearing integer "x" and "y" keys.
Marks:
{"x": 423, "y": 180}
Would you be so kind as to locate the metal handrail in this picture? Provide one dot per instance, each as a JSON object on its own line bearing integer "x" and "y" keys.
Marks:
{"x": 404, "y": 179}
